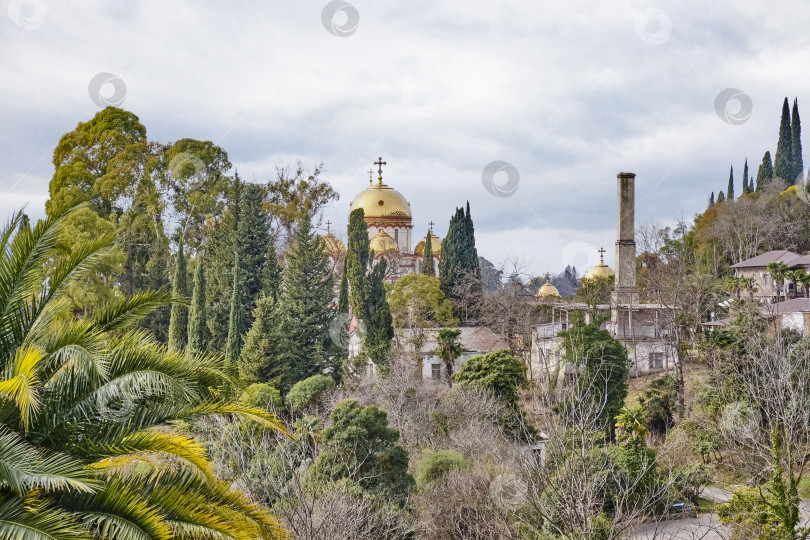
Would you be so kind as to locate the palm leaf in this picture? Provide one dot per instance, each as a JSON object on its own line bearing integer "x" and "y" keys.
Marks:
{"x": 130, "y": 310}
{"x": 34, "y": 520}
{"x": 21, "y": 383}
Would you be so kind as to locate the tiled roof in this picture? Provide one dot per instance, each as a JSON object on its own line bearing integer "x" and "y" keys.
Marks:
{"x": 477, "y": 339}
{"x": 780, "y": 255}
{"x": 795, "y": 305}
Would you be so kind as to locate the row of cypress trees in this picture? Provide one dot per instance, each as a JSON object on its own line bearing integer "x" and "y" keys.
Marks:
{"x": 787, "y": 165}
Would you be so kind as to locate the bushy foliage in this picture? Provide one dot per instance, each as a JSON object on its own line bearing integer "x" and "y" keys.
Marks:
{"x": 435, "y": 464}
{"x": 309, "y": 391}
{"x": 499, "y": 372}
{"x": 262, "y": 395}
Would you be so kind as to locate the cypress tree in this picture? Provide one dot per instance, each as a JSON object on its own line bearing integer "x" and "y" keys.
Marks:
{"x": 380, "y": 324}
{"x": 721, "y": 197}
{"x": 252, "y": 240}
{"x": 197, "y": 323}
{"x": 796, "y": 144}
{"x": 427, "y": 257}
{"x": 178, "y": 322}
{"x": 746, "y": 187}
{"x": 783, "y": 162}
{"x": 357, "y": 262}
{"x": 307, "y": 303}
{"x": 263, "y": 358}
{"x": 343, "y": 296}
{"x": 157, "y": 279}
{"x": 236, "y": 323}
{"x": 271, "y": 276}
{"x": 730, "y": 194}
{"x": 765, "y": 172}
{"x": 711, "y": 200}
{"x": 451, "y": 265}
{"x": 470, "y": 251}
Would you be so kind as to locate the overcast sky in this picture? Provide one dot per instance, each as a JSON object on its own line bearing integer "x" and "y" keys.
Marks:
{"x": 568, "y": 93}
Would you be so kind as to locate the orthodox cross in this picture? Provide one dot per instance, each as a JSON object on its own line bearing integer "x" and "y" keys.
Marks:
{"x": 431, "y": 225}
{"x": 370, "y": 175}
{"x": 328, "y": 223}
{"x": 601, "y": 251}
{"x": 380, "y": 162}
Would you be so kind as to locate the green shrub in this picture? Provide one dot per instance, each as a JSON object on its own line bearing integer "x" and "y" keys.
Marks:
{"x": 309, "y": 391}
{"x": 262, "y": 395}
{"x": 748, "y": 515}
{"x": 435, "y": 464}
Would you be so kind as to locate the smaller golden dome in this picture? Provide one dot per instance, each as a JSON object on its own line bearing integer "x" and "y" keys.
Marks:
{"x": 383, "y": 243}
{"x": 600, "y": 270}
{"x": 332, "y": 244}
{"x": 548, "y": 290}
{"x": 435, "y": 244}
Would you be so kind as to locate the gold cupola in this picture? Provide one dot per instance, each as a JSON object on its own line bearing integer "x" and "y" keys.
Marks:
{"x": 332, "y": 244}
{"x": 548, "y": 290}
{"x": 383, "y": 244}
{"x": 382, "y": 204}
{"x": 601, "y": 270}
{"x": 435, "y": 244}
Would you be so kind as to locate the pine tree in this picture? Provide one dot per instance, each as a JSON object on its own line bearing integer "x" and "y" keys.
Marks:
{"x": 263, "y": 358}
{"x": 380, "y": 324}
{"x": 746, "y": 187}
{"x": 357, "y": 263}
{"x": 271, "y": 275}
{"x": 178, "y": 323}
{"x": 711, "y": 200}
{"x": 783, "y": 162}
{"x": 197, "y": 323}
{"x": 765, "y": 172}
{"x": 252, "y": 240}
{"x": 796, "y": 144}
{"x": 307, "y": 296}
{"x": 721, "y": 197}
{"x": 236, "y": 324}
{"x": 427, "y": 258}
{"x": 730, "y": 194}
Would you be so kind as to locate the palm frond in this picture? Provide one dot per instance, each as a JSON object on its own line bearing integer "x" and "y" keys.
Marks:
{"x": 128, "y": 311}
{"x": 21, "y": 383}
{"x": 31, "y": 519}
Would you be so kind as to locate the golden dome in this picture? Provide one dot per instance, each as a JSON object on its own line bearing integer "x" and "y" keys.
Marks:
{"x": 435, "y": 244}
{"x": 380, "y": 201}
{"x": 332, "y": 244}
{"x": 601, "y": 270}
{"x": 548, "y": 290}
{"x": 383, "y": 244}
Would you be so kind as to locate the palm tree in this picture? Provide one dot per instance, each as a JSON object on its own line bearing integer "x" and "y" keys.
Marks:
{"x": 87, "y": 444}
{"x": 778, "y": 271}
{"x": 448, "y": 349}
{"x": 631, "y": 424}
{"x": 804, "y": 278}
{"x": 733, "y": 284}
{"x": 749, "y": 284}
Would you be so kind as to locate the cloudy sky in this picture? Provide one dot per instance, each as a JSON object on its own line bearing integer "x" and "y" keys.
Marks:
{"x": 566, "y": 93}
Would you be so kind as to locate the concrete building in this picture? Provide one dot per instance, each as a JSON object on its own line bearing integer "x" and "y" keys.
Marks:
{"x": 643, "y": 329}
{"x": 763, "y": 285}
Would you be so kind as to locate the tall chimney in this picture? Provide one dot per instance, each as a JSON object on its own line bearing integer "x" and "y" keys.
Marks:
{"x": 624, "y": 291}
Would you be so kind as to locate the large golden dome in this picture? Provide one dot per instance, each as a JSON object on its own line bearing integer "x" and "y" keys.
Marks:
{"x": 601, "y": 270}
{"x": 380, "y": 201}
{"x": 435, "y": 244}
{"x": 383, "y": 244}
{"x": 332, "y": 245}
{"x": 548, "y": 290}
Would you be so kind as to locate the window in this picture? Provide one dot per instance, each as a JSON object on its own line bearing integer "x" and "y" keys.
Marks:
{"x": 436, "y": 372}
{"x": 656, "y": 360}
{"x": 396, "y": 235}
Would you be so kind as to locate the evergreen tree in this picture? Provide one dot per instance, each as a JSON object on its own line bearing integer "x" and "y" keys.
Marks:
{"x": 236, "y": 324}
{"x": 178, "y": 323}
{"x": 730, "y": 194}
{"x": 765, "y": 172}
{"x": 721, "y": 197}
{"x": 459, "y": 254}
{"x": 343, "y": 296}
{"x": 219, "y": 269}
{"x": 796, "y": 144}
{"x": 197, "y": 324}
{"x": 307, "y": 296}
{"x": 157, "y": 279}
{"x": 271, "y": 276}
{"x": 783, "y": 162}
{"x": 428, "y": 267}
{"x": 746, "y": 187}
{"x": 380, "y": 324}
{"x": 252, "y": 240}
{"x": 711, "y": 200}
{"x": 357, "y": 257}
{"x": 470, "y": 251}
{"x": 263, "y": 358}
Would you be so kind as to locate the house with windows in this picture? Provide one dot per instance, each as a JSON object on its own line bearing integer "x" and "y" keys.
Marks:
{"x": 763, "y": 285}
